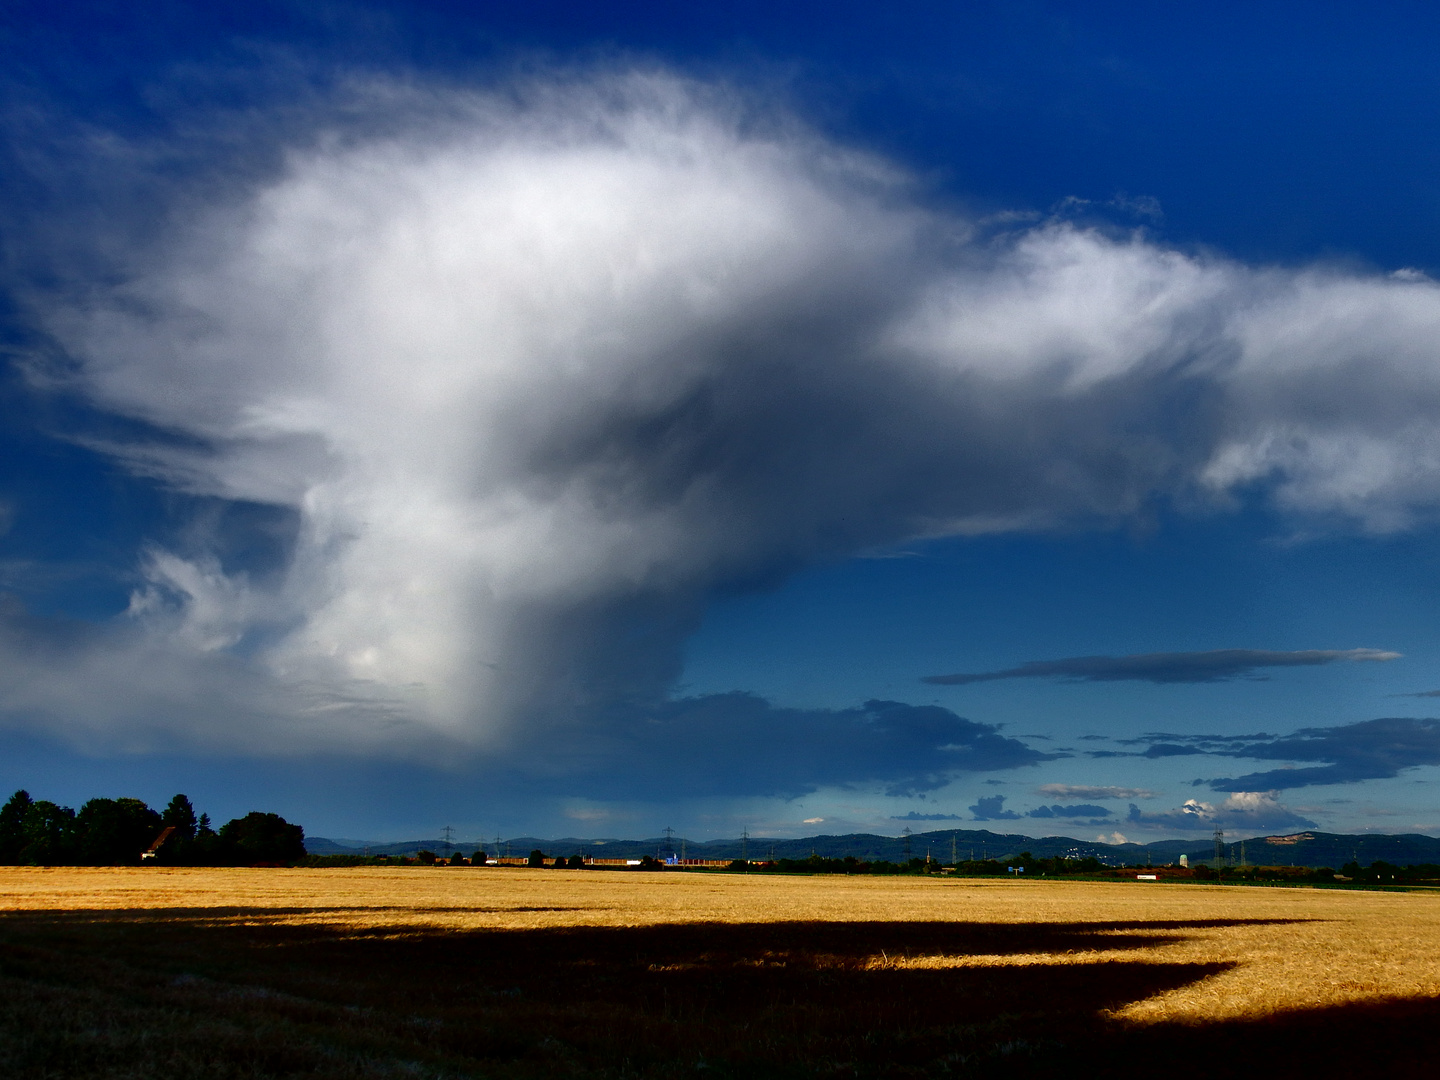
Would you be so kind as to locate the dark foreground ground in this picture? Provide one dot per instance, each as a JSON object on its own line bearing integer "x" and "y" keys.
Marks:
{"x": 176, "y": 994}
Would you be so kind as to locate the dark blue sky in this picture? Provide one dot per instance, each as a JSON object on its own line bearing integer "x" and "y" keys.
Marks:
{"x": 503, "y": 414}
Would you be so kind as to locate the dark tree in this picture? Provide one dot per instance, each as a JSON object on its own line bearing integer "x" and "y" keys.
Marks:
{"x": 113, "y": 832}
{"x": 50, "y": 835}
{"x": 478, "y": 859}
{"x": 12, "y": 827}
{"x": 262, "y": 838}
{"x": 180, "y": 816}
{"x": 537, "y": 858}
{"x": 577, "y": 862}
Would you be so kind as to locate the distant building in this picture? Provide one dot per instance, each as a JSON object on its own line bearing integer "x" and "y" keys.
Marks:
{"x": 165, "y": 834}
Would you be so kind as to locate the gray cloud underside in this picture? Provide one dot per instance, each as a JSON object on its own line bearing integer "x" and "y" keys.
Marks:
{"x": 1242, "y": 812}
{"x": 533, "y": 374}
{"x": 741, "y": 745}
{"x": 1215, "y": 665}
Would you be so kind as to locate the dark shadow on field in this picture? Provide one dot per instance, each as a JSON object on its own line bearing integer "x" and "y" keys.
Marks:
{"x": 194, "y": 992}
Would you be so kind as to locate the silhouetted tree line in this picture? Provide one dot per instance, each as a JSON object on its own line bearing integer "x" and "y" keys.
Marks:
{"x": 116, "y": 832}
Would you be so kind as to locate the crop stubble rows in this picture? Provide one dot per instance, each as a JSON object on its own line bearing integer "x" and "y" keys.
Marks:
{"x": 1280, "y": 948}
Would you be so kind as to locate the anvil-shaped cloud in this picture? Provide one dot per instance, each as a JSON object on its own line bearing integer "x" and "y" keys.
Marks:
{"x": 531, "y": 374}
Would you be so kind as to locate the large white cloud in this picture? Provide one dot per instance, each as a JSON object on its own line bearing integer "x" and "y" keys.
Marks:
{"x": 540, "y": 371}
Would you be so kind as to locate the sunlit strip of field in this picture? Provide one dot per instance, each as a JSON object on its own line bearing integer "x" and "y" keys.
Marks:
{"x": 1284, "y": 949}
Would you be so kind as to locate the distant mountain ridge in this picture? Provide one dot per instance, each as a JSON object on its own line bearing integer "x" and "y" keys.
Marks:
{"x": 1296, "y": 849}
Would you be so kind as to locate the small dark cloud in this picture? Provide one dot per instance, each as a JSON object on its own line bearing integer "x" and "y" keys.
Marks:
{"x": 1210, "y": 744}
{"x": 1215, "y": 665}
{"x": 1159, "y": 750}
{"x": 1079, "y": 810}
{"x": 913, "y": 816}
{"x": 992, "y": 808}
{"x": 1422, "y": 694}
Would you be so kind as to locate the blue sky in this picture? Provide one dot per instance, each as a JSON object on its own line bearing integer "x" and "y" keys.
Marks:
{"x": 575, "y": 420}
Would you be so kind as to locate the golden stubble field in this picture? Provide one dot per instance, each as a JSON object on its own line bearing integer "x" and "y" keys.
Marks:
{"x": 1280, "y": 949}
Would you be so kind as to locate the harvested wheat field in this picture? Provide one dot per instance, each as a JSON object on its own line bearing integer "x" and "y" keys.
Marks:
{"x": 453, "y": 971}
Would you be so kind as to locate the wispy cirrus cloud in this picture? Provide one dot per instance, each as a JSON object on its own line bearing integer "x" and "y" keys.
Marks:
{"x": 1079, "y": 810}
{"x": 1090, "y": 791}
{"x": 1214, "y": 665}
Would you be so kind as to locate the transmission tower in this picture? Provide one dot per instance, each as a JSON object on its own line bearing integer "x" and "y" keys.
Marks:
{"x": 1219, "y": 850}
{"x": 745, "y": 847}
{"x": 905, "y": 832}
{"x": 447, "y": 834}
{"x": 669, "y": 841}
